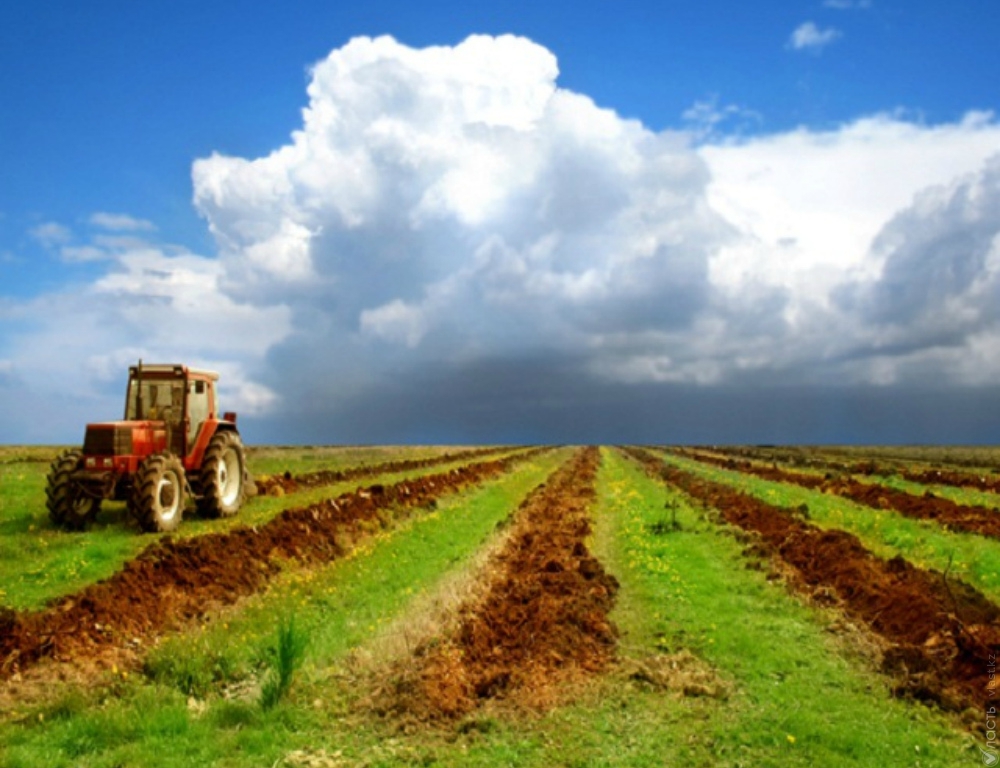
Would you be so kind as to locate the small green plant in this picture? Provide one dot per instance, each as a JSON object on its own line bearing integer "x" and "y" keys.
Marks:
{"x": 193, "y": 672}
{"x": 663, "y": 527}
{"x": 290, "y": 652}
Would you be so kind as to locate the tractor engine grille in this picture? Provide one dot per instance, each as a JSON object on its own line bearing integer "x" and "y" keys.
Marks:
{"x": 107, "y": 441}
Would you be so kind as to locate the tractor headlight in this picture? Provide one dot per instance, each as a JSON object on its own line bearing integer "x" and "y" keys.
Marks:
{"x": 91, "y": 462}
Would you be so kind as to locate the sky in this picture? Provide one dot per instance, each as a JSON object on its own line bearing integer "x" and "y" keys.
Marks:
{"x": 445, "y": 222}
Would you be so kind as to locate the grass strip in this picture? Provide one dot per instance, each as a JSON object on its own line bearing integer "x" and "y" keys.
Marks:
{"x": 39, "y": 563}
{"x": 538, "y": 625}
{"x": 179, "y": 578}
{"x": 974, "y": 490}
{"x": 784, "y": 674}
{"x": 277, "y": 460}
{"x": 177, "y": 713}
{"x": 928, "y": 506}
{"x": 960, "y": 495}
{"x": 800, "y": 694}
{"x": 287, "y": 482}
{"x": 940, "y": 632}
{"x": 924, "y": 543}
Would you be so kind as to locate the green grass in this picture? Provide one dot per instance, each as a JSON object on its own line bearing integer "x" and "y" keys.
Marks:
{"x": 351, "y": 602}
{"x": 967, "y": 496}
{"x": 975, "y": 559}
{"x": 799, "y": 695}
{"x": 270, "y": 460}
{"x": 795, "y": 693}
{"x": 969, "y": 458}
{"x": 39, "y": 562}
{"x": 42, "y": 454}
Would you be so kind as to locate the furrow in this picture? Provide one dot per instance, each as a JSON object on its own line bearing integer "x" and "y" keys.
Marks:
{"x": 959, "y": 517}
{"x": 541, "y": 620}
{"x": 940, "y": 633}
{"x": 173, "y": 581}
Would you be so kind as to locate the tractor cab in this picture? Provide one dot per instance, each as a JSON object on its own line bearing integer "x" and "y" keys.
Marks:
{"x": 183, "y": 399}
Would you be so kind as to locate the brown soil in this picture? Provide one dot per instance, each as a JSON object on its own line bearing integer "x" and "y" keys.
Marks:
{"x": 960, "y": 517}
{"x": 989, "y": 483}
{"x": 289, "y": 483}
{"x": 541, "y": 622}
{"x": 173, "y": 581}
{"x": 934, "y": 477}
{"x": 940, "y": 632}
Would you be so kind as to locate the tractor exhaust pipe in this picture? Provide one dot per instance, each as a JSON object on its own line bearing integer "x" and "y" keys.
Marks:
{"x": 138, "y": 390}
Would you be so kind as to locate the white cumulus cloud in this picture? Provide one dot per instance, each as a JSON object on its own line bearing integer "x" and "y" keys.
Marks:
{"x": 51, "y": 234}
{"x": 455, "y": 201}
{"x": 445, "y": 205}
{"x": 121, "y": 222}
{"x": 808, "y": 36}
{"x": 847, "y": 5}
{"x": 449, "y": 221}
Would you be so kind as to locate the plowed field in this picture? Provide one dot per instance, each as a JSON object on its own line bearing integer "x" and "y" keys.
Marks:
{"x": 518, "y": 606}
{"x": 926, "y": 506}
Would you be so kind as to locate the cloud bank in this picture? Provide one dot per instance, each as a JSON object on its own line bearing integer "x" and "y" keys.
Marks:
{"x": 451, "y": 247}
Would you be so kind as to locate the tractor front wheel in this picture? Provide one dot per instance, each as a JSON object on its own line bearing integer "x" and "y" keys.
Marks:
{"x": 67, "y": 503}
{"x": 222, "y": 473}
{"x": 158, "y": 496}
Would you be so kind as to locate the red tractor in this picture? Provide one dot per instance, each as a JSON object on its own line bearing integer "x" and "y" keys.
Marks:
{"x": 171, "y": 444}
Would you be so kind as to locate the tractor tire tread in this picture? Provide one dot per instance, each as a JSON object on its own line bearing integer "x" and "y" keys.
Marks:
{"x": 144, "y": 503}
{"x": 211, "y": 503}
{"x": 59, "y": 493}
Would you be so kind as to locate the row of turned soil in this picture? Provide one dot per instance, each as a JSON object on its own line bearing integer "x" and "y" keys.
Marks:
{"x": 289, "y": 483}
{"x": 959, "y": 517}
{"x": 173, "y": 581}
{"x": 541, "y": 619}
{"x": 989, "y": 483}
{"x": 941, "y": 634}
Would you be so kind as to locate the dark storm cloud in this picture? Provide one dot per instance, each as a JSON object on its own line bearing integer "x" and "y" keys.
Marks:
{"x": 543, "y": 400}
{"x": 520, "y": 262}
{"x": 937, "y": 255}
{"x": 933, "y": 311}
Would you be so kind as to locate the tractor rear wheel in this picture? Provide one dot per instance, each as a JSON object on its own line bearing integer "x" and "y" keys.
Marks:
{"x": 68, "y": 505}
{"x": 222, "y": 476}
{"x": 158, "y": 494}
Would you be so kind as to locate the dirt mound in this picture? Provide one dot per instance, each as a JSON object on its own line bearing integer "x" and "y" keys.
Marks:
{"x": 987, "y": 482}
{"x": 960, "y": 517}
{"x": 289, "y": 483}
{"x": 172, "y": 581}
{"x": 952, "y": 478}
{"x": 941, "y": 632}
{"x": 747, "y": 467}
{"x": 542, "y": 619}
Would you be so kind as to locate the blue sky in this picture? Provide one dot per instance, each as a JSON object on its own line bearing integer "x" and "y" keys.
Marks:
{"x": 777, "y": 130}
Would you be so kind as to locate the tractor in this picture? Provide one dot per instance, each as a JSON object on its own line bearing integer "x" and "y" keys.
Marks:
{"x": 171, "y": 445}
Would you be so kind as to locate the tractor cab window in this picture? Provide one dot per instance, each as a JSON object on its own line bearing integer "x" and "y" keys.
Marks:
{"x": 198, "y": 408}
{"x": 162, "y": 400}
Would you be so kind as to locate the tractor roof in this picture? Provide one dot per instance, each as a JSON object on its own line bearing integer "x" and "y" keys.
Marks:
{"x": 174, "y": 369}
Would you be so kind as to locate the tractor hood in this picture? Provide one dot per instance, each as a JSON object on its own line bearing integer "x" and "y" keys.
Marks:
{"x": 123, "y": 438}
